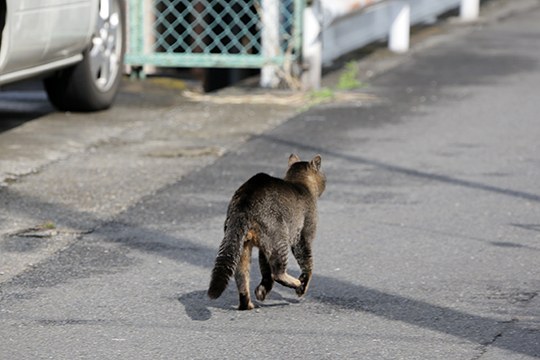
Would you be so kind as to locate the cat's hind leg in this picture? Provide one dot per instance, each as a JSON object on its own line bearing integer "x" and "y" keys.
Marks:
{"x": 267, "y": 281}
{"x": 242, "y": 278}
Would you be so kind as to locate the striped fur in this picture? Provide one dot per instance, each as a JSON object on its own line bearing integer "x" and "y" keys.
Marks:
{"x": 274, "y": 215}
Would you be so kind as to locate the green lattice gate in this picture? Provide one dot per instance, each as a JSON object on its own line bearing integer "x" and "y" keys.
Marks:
{"x": 214, "y": 33}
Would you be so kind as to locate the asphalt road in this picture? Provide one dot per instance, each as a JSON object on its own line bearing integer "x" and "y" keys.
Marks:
{"x": 428, "y": 241}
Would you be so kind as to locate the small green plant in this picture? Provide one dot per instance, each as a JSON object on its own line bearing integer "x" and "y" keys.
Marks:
{"x": 316, "y": 97}
{"x": 48, "y": 225}
{"x": 321, "y": 95}
{"x": 349, "y": 77}
{"x": 348, "y": 80}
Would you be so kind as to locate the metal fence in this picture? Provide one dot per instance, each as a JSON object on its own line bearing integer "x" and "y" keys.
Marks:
{"x": 214, "y": 33}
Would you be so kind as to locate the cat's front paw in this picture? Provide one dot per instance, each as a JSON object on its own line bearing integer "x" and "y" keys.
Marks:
{"x": 304, "y": 282}
{"x": 301, "y": 290}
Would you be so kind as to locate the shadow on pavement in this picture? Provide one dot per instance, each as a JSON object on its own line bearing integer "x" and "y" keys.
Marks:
{"x": 23, "y": 102}
{"x": 86, "y": 258}
{"x": 406, "y": 171}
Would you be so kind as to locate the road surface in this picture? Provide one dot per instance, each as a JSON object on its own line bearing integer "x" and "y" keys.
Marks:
{"x": 428, "y": 241}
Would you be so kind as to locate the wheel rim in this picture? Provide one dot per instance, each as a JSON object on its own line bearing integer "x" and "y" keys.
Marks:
{"x": 106, "y": 51}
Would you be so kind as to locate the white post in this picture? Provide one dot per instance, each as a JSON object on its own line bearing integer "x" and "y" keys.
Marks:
{"x": 270, "y": 42}
{"x": 398, "y": 38}
{"x": 469, "y": 10}
{"x": 149, "y": 38}
{"x": 311, "y": 51}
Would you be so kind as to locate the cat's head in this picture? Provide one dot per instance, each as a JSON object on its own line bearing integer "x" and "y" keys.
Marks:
{"x": 307, "y": 172}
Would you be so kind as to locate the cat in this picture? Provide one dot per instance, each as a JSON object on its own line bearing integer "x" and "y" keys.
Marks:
{"x": 272, "y": 214}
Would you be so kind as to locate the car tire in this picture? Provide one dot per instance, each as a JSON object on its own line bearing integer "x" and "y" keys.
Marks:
{"x": 93, "y": 83}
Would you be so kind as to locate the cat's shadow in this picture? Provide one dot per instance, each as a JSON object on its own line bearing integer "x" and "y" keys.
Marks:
{"x": 198, "y": 306}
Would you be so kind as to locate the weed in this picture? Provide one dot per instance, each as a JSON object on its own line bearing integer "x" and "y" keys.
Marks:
{"x": 349, "y": 77}
{"x": 48, "y": 225}
{"x": 321, "y": 95}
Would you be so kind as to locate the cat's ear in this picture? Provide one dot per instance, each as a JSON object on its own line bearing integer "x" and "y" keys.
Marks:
{"x": 316, "y": 162}
{"x": 293, "y": 159}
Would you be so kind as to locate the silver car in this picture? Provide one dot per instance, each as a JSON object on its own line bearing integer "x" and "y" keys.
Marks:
{"x": 77, "y": 46}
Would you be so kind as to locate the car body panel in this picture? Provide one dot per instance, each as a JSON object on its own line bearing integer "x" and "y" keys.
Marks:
{"x": 42, "y": 35}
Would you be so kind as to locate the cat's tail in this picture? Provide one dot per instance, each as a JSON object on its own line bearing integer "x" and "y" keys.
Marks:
{"x": 229, "y": 254}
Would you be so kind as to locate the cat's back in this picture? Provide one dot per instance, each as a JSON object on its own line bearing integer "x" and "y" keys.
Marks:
{"x": 264, "y": 185}
{"x": 264, "y": 191}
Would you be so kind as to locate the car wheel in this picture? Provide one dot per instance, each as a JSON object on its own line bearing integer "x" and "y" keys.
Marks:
{"x": 92, "y": 84}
